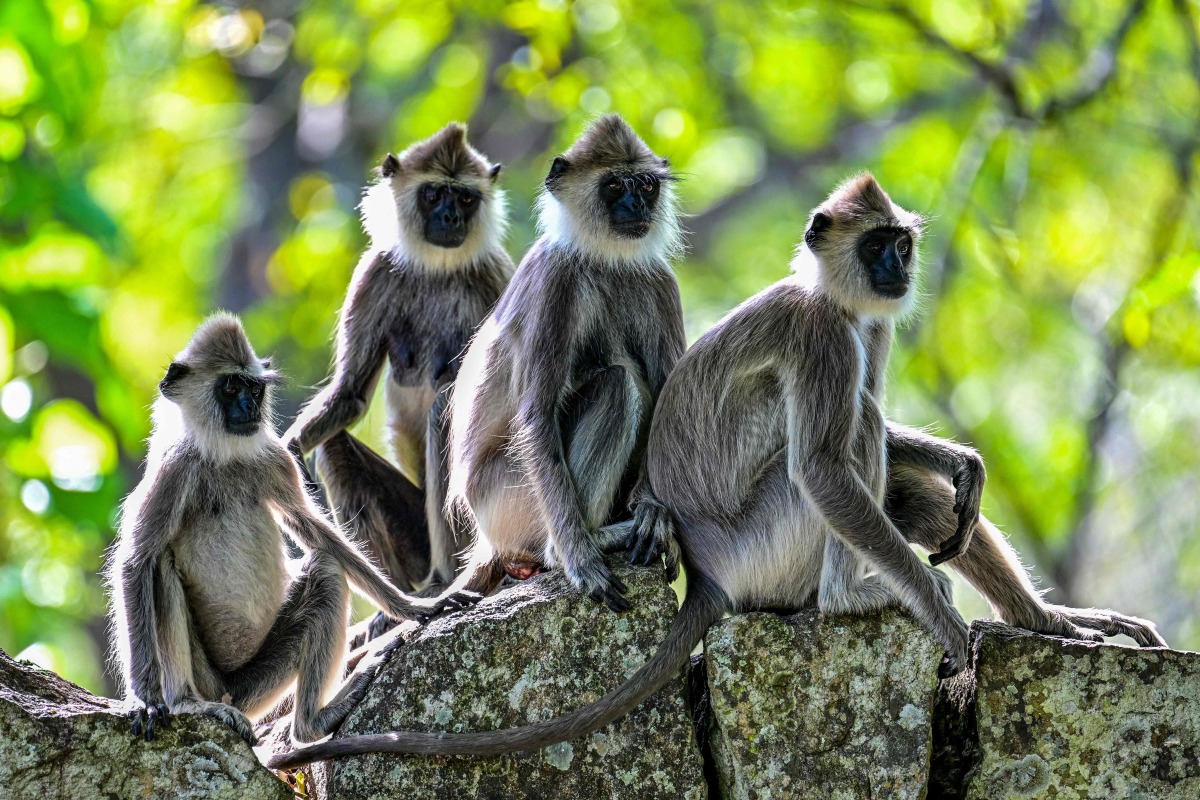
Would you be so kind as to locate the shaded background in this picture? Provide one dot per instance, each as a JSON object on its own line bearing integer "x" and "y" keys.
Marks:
{"x": 158, "y": 161}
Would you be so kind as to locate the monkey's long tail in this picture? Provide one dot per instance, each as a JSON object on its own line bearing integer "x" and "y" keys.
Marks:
{"x": 703, "y": 606}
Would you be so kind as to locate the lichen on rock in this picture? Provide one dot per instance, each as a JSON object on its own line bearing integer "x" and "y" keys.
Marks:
{"x": 815, "y": 706}
{"x": 59, "y": 741}
{"x": 532, "y": 652}
{"x": 1075, "y": 720}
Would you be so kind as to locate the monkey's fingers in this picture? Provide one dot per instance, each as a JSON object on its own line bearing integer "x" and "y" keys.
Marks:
{"x": 949, "y": 549}
{"x": 153, "y": 719}
{"x": 380, "y": 624}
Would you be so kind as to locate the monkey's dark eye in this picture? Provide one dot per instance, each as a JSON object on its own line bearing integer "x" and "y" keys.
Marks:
{"x": 430, "y": 194}
{"x": 466, "y": 199}
{"x": 904, "y": 247}
{"x": 229, "y": 389}
{"x": 649, "y": 184}
{"x": 256, "y": 391}
{"x": 614, "y": 185}
{"x": 875, "y": 247}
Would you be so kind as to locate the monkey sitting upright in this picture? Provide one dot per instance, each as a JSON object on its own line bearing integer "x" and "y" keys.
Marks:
{"x": 552, "y": 407}
{"x": 206, "y": 617}
{"x": 767, "y": 448}
{"x": 435, "y": 267}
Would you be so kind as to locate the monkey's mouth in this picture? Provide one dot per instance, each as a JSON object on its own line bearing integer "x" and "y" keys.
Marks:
{"x": 448, "y": 239}
{"x": 247, "y": 428}
{"x": 633, "y": 229}
{"x": 892, "y": 290}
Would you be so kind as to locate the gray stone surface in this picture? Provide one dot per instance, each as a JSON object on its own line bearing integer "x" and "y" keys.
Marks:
{"x": 821, "y": 707}
{"x": 532, "y": 652}
{"x": 1073, "y": 720}
{"x": 58, "y": 742}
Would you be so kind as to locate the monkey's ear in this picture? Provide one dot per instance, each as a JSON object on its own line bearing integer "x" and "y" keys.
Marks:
{"x": 265, "y": 362}
{"x": 175, "y": 373}
{"x": 665, "y": 162}
{"x": 494, "y": 172}
{"x": 390, "y": 166}
{"x": 821, "y": 222}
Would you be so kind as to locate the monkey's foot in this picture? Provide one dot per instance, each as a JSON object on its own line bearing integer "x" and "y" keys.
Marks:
{"x": 147, "y": 717}
{"x": 220, "y": 711}
{"x": 380, "y": 624}
{"x": 1093, "y": 624}
{"x": 456, "y": 601}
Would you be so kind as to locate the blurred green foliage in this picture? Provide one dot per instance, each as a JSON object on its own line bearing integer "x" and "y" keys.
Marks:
{"x": 160, "y": 160}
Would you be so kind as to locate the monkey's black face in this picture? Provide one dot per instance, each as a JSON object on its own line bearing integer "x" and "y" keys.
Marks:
{"x": 447, "y": 211}
{"x": 240, "y": 399}
{"x": 886, "y": 253}
{"x": 630, "y": 200}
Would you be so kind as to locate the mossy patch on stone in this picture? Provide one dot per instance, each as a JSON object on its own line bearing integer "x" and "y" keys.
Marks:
{"x": 532, "y": 652}
{"x": 814, "y": 706}
{"x": 1074, "y": 720}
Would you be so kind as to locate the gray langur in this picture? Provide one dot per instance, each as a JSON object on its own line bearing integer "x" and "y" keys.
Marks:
{"x": 435, "y": 266}
{"x": 552, "y": 406}
{"x": 208, "y": 614}
{"x": 769, "y": 451}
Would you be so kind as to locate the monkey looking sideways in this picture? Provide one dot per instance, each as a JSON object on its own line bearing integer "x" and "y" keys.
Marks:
{"x": 208, "y": 615}
{"x": 435, "y": 267}
{"x": 768, "y": 449}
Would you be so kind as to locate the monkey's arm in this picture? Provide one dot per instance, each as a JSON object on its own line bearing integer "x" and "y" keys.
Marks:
{"x": 300, "y": 513}
{"x": 361, "y": 349}
{"x": 823, "y": 406}
{"x": 957, "y": 463}
{"x": 542, "y": 454}
{"x": 653, "y": 531}
{"x": 144, "y": 538}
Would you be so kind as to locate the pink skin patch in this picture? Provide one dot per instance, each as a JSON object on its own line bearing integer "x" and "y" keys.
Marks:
{"x": 522, "y": 570}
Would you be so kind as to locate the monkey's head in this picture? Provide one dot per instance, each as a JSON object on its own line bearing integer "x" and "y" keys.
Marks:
{"x": 438, "y": 201}
{"x": 610, "y": 196}
{"x": 221, "y": 388}
{"x": 861, "y": 248}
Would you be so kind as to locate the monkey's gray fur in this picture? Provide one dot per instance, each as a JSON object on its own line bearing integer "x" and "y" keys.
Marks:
{"x": 767, "y": 449}
{"x": 412, "y": 305}
{"x": 208, "y": 615}
{"x": 552, "y": 407}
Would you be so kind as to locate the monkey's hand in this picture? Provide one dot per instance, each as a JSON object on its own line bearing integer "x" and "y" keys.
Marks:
{"x": 147, "y": 715}
{"x": 969, "y": 478}
{"x": 1093, "y": 624}
{"x": 652, "y": 535}
{"x": 585, "y": 567}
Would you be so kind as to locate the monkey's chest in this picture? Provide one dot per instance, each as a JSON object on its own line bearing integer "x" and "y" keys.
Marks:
{"x": 421, "y": 354}
{"x": 234, "y": 572}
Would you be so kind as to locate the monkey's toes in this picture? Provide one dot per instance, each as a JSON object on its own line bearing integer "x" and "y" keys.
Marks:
{"x": 234, "y": 719}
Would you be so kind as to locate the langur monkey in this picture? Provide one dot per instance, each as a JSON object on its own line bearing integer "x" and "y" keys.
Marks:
{"x": 767, "y": 449}
{"x": 208, "y": 615}
{"x": 435, "y": 267}
{"x": 552, "y": 407}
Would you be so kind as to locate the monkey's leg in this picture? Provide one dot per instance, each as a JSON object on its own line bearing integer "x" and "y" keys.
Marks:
{"x": 448, "y": 536}
{"x": 919, "y": 504}
{"x": 600, "y": 432}
{"x": 191, "y": 685}
{"x": 307, "y": 642}
{"x": 383, "y": 512}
